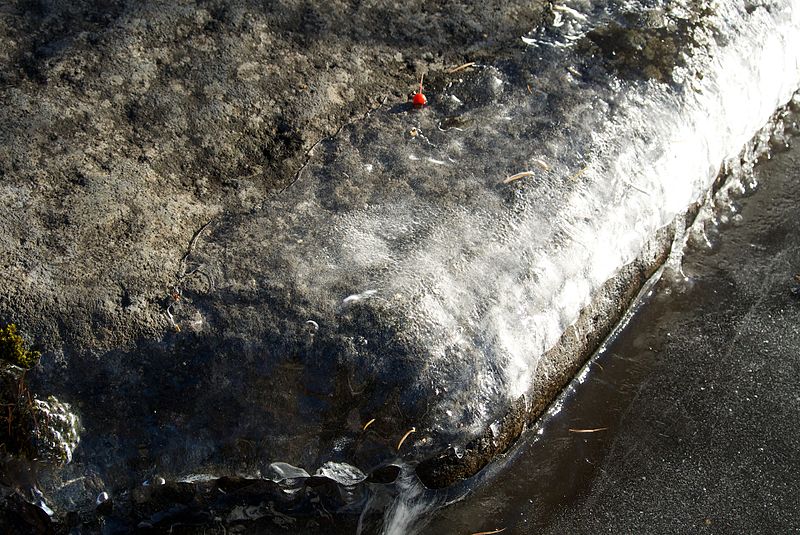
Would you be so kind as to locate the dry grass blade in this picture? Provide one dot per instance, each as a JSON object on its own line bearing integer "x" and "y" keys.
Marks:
{"x": 412, "y": 430}
{"x": 523, "y": 174}
{"x": 461, "y": 67}
{"x": 489, "y": 532}
{"x": 368, "y": 424}
{"x": 542, "y": 164}
{"x": 595, "y": 430}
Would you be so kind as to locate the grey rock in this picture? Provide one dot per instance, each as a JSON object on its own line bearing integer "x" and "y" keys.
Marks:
{"x": 217, "y": 224}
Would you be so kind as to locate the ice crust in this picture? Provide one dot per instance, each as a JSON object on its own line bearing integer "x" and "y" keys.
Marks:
{"x": 429, "y": 276}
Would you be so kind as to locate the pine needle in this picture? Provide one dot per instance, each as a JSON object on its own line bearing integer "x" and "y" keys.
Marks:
{"x": 461, "y": 67}
{"x": 412, "y": 430}
{"x": 523, "y": 174}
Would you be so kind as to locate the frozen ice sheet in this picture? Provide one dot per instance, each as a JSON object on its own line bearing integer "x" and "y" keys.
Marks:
{"x": 437, "y": 277}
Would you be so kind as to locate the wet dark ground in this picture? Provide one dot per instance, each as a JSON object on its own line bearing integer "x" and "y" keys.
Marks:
{"x": 689, "y": 421}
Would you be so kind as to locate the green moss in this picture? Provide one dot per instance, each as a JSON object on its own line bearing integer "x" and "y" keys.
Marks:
{"x": 19, "y": 411}
{"x": 13, "y": 348}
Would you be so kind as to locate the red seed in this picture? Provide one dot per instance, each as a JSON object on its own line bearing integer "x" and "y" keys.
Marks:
{"x": 419, "y": 99}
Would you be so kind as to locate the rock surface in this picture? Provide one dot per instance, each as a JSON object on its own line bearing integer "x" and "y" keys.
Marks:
{"x": 126, "y": 126}
{"x": 236, "y": 243}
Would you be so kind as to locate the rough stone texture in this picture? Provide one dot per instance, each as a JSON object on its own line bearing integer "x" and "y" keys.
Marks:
{"x": 125, "y": 126}
{"x": 171, "y": 176}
